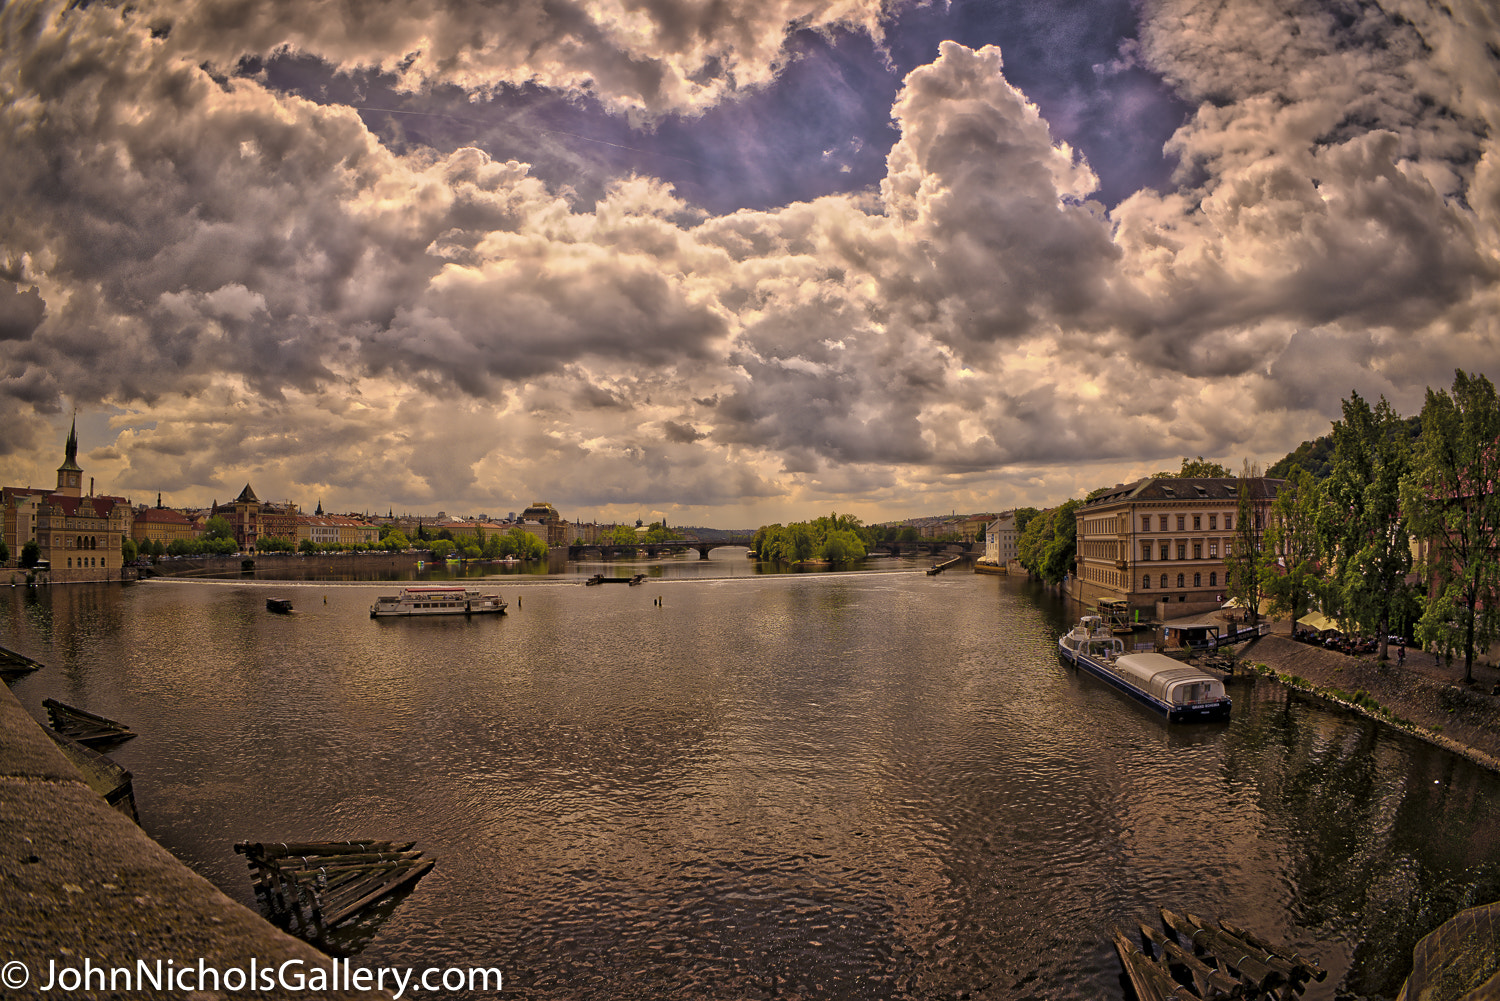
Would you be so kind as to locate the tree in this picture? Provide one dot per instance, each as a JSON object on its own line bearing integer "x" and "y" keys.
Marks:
{"x": 1452, "y": 501}
{"x": 1364, "y": 529}
{"x": 441, "y": 548}
{"x": 843, "y": 545}
{"x": 1023, "y": 518}
{"x": 30, "y": 554}
{"x": 128, "y": 551}
{"x": 525, "y": 545}
{"x": 1289, "y": 570}
{"x": 1049, "y": 546}
{"x": 1199, "y": 468}
{"x": 4, "y": 552}
{"x": 218, "y": 527}
{"x": 395, "y": 540}
{"x": 1242, "y": 562}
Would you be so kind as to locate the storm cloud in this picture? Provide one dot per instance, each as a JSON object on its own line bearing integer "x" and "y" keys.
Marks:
{"x": 258, "y": 287}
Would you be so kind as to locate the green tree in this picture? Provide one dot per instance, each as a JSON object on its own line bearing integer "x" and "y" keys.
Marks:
{"x": 1454, "y": 510}
{"x": 441, "y": 548}
{"x": 128, "y": 551}
{"x": 30, "y": 554}
{"x": 1242, "y": 562}
{"x": 1290, "y": 570}
{"x": 525, "y": 545}
{"x": 218, "y": 527}
{"x": 1023, "y": 518}
{"x": 843, "y": 545}
{"x": 307, "y": 547}
{"x": 1364, "y": 529}
{"x": 395, "y": 540}
{"x": 1199, "y": 468}
{"x": 1048, "y": 548}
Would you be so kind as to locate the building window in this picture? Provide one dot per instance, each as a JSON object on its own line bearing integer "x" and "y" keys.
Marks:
{"x": 1162, "y": 521}
{"x": 1213, "y": 578}
{"x": 1166, "y": 550}
{"x": 1197, "y": 550}
{"x": 1163, "y": 581}
{"x": 1213, "y": 522}
{"x": 1213, "y": 550}
{"x": 1146, "y": 583}
{"x": 1182, "y": 580}
{"x": 1181, "y": 522}
{"x": 1182, "y": 550}
{"x": 70, "y": 563}
{"x": 1145, "y": 523}
{"x": 1197, "y": 580}
{"x": 1146, "y": 550}
{"x": 1197, "y": 518}
{"x": 1229, "y": 523}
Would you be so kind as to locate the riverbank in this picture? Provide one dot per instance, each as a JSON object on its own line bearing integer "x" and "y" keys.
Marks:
{"x": 1425, "y": 696}
{"x": 83, "y": 888}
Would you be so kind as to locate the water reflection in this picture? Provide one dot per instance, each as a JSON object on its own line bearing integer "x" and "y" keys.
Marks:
{"x": 841, "y": 785}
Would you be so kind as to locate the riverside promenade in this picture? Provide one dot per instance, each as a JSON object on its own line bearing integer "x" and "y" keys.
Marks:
{"x": 83, "y": 889}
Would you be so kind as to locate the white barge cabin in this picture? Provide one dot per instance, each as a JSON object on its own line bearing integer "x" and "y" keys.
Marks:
{"x": 434, "y": 599}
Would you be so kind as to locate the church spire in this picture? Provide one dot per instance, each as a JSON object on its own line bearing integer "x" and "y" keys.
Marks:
{"x": 69, "y": 475}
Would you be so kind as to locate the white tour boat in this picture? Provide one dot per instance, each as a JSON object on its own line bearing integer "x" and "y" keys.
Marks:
{"x": 1180, "y": 692}
{"x": 436, "y": 599}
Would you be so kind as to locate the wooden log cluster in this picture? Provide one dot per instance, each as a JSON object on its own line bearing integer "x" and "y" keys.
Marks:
{"x": 85, "y": 727}
{"x": 1194, "y": 960}
{"x": 313, "y": 886}
{"x": 12, "y": 663}
{"x": 102, "y": 774}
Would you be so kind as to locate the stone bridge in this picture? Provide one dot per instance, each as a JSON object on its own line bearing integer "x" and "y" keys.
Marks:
{"x": 928, "y": 546}
{"x": 610, "y": 550}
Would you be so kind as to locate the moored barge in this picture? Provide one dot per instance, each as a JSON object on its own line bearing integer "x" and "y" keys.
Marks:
{"x": 434, "y": 599}
{"x": 1180, "y": 692}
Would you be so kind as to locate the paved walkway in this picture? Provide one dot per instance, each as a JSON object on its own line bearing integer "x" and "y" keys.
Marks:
{"x": 81, "y": 887}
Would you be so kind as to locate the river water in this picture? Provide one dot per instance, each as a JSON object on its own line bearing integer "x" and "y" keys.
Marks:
{"x": 823, "y": 785}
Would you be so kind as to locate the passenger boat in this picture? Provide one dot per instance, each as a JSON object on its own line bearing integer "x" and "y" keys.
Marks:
{"x": 435, "y": 599}
{"x": 282, "y": 606}
{"x": 1180, "y": 692}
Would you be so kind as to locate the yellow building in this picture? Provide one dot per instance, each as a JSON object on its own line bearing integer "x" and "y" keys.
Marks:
{"x": 1160, "y": 543}
{"x": 162, "y": 524}
{"x": 79, "y": 536}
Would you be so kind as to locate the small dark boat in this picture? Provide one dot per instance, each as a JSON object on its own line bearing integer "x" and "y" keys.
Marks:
{"x": 281, "y": 605}
{"x": 85, "y": 727}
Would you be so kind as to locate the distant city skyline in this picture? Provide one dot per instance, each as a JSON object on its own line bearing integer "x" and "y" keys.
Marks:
{"x": 730, "y": 263}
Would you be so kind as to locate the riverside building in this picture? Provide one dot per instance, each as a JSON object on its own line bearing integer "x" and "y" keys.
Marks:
{"x": 1160, "y": 543}
{"x": 78, "y": 535}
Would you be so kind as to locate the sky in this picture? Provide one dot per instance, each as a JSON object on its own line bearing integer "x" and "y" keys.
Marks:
{"x": 729, "y": 262}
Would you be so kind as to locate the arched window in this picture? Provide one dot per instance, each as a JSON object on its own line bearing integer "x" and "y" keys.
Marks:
{"x": 1197, "y": 580}
{"x": 1163, "y": 580}
{"x": 1182, "y": 580}
{"x": 1213, "y": 579}
{"x": 70, "y": 563}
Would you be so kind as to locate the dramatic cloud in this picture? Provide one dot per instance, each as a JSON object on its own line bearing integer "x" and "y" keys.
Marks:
{"x": 259, "y": 287}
